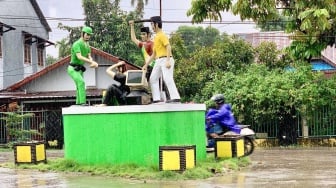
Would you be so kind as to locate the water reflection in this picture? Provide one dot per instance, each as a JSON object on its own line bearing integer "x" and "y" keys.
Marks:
{"x": 270, "y": 168}
{"x": 235, "y": 179}
{"x": 308, "y": 168}
{"x": 26, "y": 178}
{"x": 10, "y": 178}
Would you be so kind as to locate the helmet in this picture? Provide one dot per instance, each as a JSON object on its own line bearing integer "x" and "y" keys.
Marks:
{"x": 218, "y": 98}
{"x": 87, "y": 30}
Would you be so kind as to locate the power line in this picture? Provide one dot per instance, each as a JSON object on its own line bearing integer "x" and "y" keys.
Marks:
{"x": 10, "y": 17}
{"x": 165, "y": 9}
{"x": 17, "y": 69}
{"x": 237, "y": 22}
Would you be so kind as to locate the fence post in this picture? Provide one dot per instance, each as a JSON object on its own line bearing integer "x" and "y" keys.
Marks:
{"x": 305, "y": 133}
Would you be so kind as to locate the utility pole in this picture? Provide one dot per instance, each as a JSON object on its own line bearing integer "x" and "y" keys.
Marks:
{"x": 161, "y": 9}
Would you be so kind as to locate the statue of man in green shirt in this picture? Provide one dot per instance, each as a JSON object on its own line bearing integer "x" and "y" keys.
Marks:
{"x": 80, "y": 54}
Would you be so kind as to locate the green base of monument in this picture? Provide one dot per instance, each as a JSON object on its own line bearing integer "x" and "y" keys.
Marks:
{"x": 131, "y": 134}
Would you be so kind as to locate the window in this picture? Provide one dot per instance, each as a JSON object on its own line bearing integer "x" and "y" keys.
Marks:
{"x": 27, "y": 48}
{"x": 40, "y": 56}
{"x": 27, "y": 54}
{"x": 40, "y": 51}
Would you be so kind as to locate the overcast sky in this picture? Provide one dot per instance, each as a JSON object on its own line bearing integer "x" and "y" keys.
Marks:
{"x": 172, "y": 10}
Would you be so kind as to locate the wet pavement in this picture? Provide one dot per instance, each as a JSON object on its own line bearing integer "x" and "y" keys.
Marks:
{"x": 276, "y": 167}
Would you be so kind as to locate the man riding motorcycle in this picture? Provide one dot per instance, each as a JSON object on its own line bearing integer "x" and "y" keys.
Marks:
{"x": 219, "y": 120}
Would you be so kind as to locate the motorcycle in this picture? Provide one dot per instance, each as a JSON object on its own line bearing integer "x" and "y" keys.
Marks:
{"x": 247, "y": 134}
{"x": 249, "y": 138}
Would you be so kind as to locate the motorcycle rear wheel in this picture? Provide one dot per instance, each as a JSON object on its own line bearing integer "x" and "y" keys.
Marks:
{"x": 248, "y": 146}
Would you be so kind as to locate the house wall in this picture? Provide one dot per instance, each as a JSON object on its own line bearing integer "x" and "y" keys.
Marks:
{"x": 279, "y": 38}
{"x": 23, "y": 17}
{"x": 1, "y": 61}
{"x": 59, "y": 80}
{"x": 330, "y": 54}
{"x": 282, "y": 40}
{"x": 56, "y": 78}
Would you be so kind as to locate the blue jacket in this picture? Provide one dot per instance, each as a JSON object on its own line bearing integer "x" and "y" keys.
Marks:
{"x": 224, "y": 117}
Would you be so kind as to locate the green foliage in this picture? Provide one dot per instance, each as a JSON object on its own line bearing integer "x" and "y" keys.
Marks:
{"x": 65, "y": 165}
{"x": 64, "y": 46}
{"x": 312, "y": 23}
{"x": 305, "y": 51}
{"x": 15, "y": 126}
{"x": 110, "y": 30}
{"x": 227, "y": 54}
{"x": 204, "y": 9}
{"x": 50, "y": 60}
{"x": 178, "y": 48}
{"x": 268, "y": 54}
{"x": 195, "y": 37}
{"x": 259, "y": 11}
{"x": 276, "y": 24}
{"x": 140, "y": 6}
{"x": 258, "y": 92}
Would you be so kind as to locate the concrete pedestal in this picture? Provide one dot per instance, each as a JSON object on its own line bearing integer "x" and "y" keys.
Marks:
{"x": 132, "y": 133}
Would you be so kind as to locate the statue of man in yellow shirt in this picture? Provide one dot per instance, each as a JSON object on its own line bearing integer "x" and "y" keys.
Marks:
{"x": 164, "y": 64}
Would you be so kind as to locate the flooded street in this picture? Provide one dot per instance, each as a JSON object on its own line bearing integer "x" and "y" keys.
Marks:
{"x": 277, "y": 167}
{"x": 293, "y": 168}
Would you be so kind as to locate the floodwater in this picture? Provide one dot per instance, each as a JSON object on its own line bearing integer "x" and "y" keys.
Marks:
{"x": 276, "y": 167}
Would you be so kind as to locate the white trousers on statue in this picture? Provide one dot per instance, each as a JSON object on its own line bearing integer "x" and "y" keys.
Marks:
{"x": 168, "y": 77}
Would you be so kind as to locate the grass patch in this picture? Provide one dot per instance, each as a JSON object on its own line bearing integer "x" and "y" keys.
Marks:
{"x": 204, "y": 169}
{"x": 5, "y": 149}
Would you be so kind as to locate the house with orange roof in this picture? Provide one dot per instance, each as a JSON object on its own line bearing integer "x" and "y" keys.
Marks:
{"x": 26, "y": 80}
{"x": 52, "y": 88}
{"x": 47, "y": 91}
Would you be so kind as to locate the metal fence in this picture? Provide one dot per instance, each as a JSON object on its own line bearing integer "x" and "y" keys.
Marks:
{"x": 47, "y": 124}
{"x": 318, "y": 123}
{"x": 322, "y": 122}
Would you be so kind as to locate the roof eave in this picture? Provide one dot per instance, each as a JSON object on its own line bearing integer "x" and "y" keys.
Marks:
{"x": 40, "y": 15}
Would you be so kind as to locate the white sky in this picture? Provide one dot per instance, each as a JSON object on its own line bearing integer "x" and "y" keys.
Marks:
{"x": 172, "y": 10}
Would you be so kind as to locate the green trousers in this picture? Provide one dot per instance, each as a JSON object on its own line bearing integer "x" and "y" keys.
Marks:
{"x": 77, "y": 76}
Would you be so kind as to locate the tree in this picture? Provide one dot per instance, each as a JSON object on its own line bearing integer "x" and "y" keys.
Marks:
{"x": 258, "y": 94}
{"x": 50, "y": 60}
{"x": 312, "y": 23}
{"x": 64, "y": 46}
{"x": 110, "y": 27}
{"x": 15, "y": 126}
{"x": 194, "y": 72}
{"x": 195, "y": 37}
{"x": 140, "y": 6}
{"x": 178, "y": 47}
{"x": 278, "y": 24}
{"x": 268, "y": 54}
{"x": 111, "y": 30}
